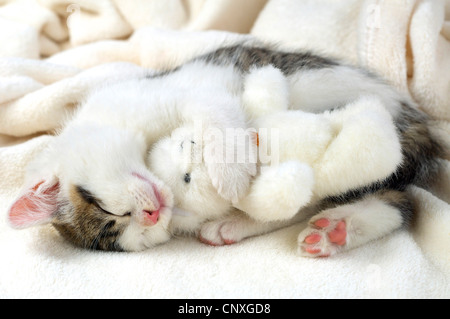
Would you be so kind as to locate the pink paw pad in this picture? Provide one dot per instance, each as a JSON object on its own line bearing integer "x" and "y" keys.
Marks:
{"x": 313, "y": 239}
{"x": 208, "y": 242}
{"x": 324, "y": 234}
{"x": 228, "y": 241}
{"x": 322, "y": 223}
{"x": 338, "y": 235}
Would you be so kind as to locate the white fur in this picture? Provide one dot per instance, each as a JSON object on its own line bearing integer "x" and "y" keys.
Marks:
{"x": 106, "y": 141}
{"x": 156, "y": 107}
{"x": 347, "y": 152}
{"x": 347, "y": 148}
{"x": 103, "y": 160}
{"x": 344, "y": 148}
{"x": 320, "y": 154}
{"x": 319, "y": 90}
{"x": 265, "y": 91}
{"x": 104, "y": 146}
{"x": 366, "y": 148}
{"x": 365, "y": 220}
{"x": 279, "y": 192}
{"x": 171, "y": 162}
{"x": 136, "y": 237}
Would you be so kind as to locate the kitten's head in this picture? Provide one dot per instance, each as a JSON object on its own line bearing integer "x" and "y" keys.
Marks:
{"x": 177, "y": 161}
{"x": 93, "y": 186}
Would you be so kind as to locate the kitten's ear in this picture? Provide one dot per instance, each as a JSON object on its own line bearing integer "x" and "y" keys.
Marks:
{"x": 37, "y": 205}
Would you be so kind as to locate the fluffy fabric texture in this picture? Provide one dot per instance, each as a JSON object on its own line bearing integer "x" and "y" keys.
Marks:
{"x": 47, "y": 65}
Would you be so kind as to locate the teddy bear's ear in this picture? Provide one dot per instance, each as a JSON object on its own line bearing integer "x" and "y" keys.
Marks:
{"x": 231, "y": 161}
{"x": 37, "y": 205}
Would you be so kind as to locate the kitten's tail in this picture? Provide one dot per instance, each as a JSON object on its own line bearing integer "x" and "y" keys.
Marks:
{"x": 421, "y": 149}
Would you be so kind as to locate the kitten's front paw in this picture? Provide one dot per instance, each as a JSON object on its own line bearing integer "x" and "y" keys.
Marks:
{"x": 323, "y": 237}
{"x": 210, "y": 234}
{"x": 219, "y": 233}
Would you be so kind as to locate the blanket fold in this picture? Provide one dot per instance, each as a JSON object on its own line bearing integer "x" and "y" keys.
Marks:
{"x": 55, "y": 52}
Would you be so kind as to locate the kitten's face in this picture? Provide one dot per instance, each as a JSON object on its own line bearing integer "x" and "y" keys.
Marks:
{"x": 139, "y": 222}
{"x": 97, "y": 192}
{"x": 177, "y": 161}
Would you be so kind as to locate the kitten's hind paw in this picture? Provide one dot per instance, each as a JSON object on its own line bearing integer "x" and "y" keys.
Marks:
{"x": 323, "y": 237}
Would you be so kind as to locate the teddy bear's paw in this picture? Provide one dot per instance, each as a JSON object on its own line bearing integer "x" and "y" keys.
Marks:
{"x": 279, "y": 192}
{"x": 323, "y": 237}
{"x": 231, "y": 180}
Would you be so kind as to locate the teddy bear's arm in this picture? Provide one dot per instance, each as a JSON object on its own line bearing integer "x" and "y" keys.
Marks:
{"x": 279, "y": 192}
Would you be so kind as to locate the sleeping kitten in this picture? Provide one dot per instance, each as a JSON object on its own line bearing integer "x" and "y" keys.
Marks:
{"x": 91, "y": 182}
{"x": 341, "y": 221}
{"x": 93, "y": 186}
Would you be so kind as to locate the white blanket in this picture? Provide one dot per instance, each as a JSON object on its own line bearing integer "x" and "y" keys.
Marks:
{"x": 48, "y": 63}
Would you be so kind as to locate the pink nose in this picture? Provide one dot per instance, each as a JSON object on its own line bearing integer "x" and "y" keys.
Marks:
{"x": 152, "y": 217}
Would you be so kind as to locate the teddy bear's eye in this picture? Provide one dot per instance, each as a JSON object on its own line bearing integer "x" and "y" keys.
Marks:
{"x": 187, "y": 178}
{"x": 181, "y": 145}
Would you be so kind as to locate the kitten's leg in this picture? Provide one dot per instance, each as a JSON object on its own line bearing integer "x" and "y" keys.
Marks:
{"x": 265, "y": 92}
{"x": 365, "y": 133}
{"x": 317, "y": 90}
{"x": 352, "y": 225}
{"x": 238, "y": 226}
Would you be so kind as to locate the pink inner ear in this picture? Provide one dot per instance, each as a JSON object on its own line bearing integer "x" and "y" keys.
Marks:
{"x": 37, "y": 206}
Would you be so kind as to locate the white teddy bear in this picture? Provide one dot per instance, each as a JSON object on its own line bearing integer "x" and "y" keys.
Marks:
{"x": 303, "y": 157}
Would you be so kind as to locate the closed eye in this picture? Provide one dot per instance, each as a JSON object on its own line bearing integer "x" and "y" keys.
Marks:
{"x": 109, "y": 213}
{"x": 104, "y": 210}
{"x": 89, "y": 198}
